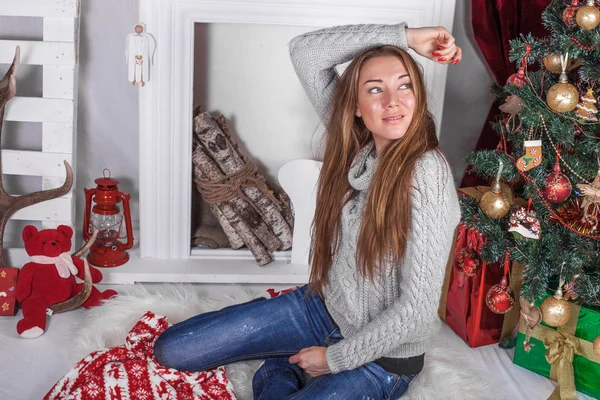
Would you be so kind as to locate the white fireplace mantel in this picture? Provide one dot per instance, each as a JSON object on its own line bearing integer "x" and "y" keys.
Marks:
{"x": 165, "y": 107}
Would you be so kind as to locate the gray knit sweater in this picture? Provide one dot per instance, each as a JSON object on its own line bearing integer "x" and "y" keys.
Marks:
{"x": 396, "y": 316}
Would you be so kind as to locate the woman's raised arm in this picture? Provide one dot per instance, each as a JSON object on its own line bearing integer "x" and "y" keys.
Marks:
{"x": 315, "y": 55}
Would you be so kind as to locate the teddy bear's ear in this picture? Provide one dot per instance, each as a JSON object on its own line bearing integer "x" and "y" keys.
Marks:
{"x": 28, "y": 232}
{"x": 66, "y": 231}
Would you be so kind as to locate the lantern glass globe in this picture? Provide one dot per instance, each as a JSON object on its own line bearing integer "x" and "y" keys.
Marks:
{"x": 108, "y": 226}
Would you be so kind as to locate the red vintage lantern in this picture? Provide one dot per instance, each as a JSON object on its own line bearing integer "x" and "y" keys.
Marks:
{"x": 107, "y": 217}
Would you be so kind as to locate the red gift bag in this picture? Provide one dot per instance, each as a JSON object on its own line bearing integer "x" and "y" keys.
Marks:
{"x": 8, "y": 287}
{"x": 462, "y": 305}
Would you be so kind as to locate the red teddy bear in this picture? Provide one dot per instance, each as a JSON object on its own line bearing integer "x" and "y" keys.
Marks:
{"x": 50, "y": 277}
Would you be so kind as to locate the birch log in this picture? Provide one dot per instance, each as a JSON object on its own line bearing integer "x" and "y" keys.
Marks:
{"x": 235, "y": 241}
{"x": 241, "y": 206}
{"x": 229, "y": 161}
{"x": 286, "y": 207}
{"x": 239, "y": 214}
{"x": 279, "y": 194}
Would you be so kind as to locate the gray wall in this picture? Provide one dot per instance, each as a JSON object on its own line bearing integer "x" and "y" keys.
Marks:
{"x": 108, "y": 104}
{"x": 107, "y": 117}
{"x": 468, "y": 97}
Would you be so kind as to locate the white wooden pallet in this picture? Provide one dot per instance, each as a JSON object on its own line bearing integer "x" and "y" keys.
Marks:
{"x": 56, "y": 110}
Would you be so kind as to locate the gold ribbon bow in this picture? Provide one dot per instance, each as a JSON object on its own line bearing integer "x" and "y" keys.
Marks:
{"x": 561, "y": 349}
{"x": 562, "y": 345}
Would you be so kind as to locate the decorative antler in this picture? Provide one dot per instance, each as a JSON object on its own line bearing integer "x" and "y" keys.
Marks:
{"x": 10, "y": 204}
{"x": 87, "y": 245}
{"x": 8, "y": 85}
{"x": 77, "y": 300}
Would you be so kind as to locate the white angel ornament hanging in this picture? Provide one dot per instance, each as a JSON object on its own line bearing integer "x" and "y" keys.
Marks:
{"x": 139, "y": 53}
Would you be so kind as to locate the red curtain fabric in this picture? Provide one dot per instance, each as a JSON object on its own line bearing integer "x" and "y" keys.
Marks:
{"x": 495, "y": 22}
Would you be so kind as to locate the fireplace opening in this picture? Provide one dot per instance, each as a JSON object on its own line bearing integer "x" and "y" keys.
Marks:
{"x": 245, "y": 88}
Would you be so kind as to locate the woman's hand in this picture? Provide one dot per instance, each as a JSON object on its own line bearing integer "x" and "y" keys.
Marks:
{"x": 435, "y": 43}
{"x": 312, "y": 360}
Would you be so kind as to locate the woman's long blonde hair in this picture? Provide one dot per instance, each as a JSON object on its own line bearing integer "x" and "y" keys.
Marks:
{"x": 385, "y": 223}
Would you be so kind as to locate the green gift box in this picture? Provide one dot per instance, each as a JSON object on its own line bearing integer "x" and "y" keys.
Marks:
{"x": 575, "y": 337}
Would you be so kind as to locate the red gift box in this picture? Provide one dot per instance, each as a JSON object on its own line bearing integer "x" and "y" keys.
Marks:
{"x": 8, "y": 287}
{"x": 463, "y": 304}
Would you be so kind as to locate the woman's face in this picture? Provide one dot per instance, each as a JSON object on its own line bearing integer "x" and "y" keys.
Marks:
{"x": 386, "y": 100}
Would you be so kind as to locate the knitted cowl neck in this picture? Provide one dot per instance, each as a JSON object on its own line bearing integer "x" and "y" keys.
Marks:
{"x": 363, "y": 168}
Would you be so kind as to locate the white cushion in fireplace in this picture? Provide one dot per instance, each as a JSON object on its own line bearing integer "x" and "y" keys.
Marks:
{"x": 341, "y": 68}
{"x": 299, "y": 180}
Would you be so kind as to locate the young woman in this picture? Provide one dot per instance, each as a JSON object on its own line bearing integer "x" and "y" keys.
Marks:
{"x": 385, "y": 216}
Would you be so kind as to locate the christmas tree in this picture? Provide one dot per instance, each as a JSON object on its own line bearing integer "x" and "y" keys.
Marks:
{"x": 544, "y": 207}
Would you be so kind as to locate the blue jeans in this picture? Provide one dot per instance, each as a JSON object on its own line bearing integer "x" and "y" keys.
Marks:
{"x": 274, "y": 329}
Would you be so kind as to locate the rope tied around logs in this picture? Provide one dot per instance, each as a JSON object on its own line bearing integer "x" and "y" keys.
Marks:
{"x": 228, "y": 187}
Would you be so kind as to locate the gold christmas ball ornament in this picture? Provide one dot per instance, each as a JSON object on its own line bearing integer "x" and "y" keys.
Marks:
{"x": 562, "y": 96}
{"x": 495, "y": 203}
{"x": 596, "y": 346}
{"x": 552, "y": 63}
{"x": 588, "y": 16}
{"x": 556, "y": 311}
{"x": 507, "y": 192}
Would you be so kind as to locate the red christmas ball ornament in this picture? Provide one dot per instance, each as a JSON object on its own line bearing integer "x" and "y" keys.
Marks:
{"x": 500, "y": 298}
{"x": 557, "y": 187}
{"x": 569, "y": 14}
{"x": 467, "y": 262}
{"x": 518, "y": 79}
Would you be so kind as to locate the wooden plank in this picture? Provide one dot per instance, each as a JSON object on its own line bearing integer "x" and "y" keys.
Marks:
{"x": 61, "y": 29}
{"x": 36, "y": 109}
{"x": 139, "y": 270}
{"x": 55, "y": 224}
{"x": 204, "y": 271}
{"x": 53, "y": 182}
{"x": 59, "y": 82}
{"x": 57, "y": 138}
{"x": 38, "y": 53}
{"x": 51, "y": 210}
{"x": 35, "y": 163}
{"x": 40, "y": 8}
{"x": 51, "y": 224}
{"x": 226, "y": 253}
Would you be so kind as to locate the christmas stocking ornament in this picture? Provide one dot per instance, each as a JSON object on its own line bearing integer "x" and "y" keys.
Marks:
{"x": 532, "y": 157}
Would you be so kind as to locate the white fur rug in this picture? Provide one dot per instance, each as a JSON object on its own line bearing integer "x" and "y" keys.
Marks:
{"x": 448, "y": 374}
